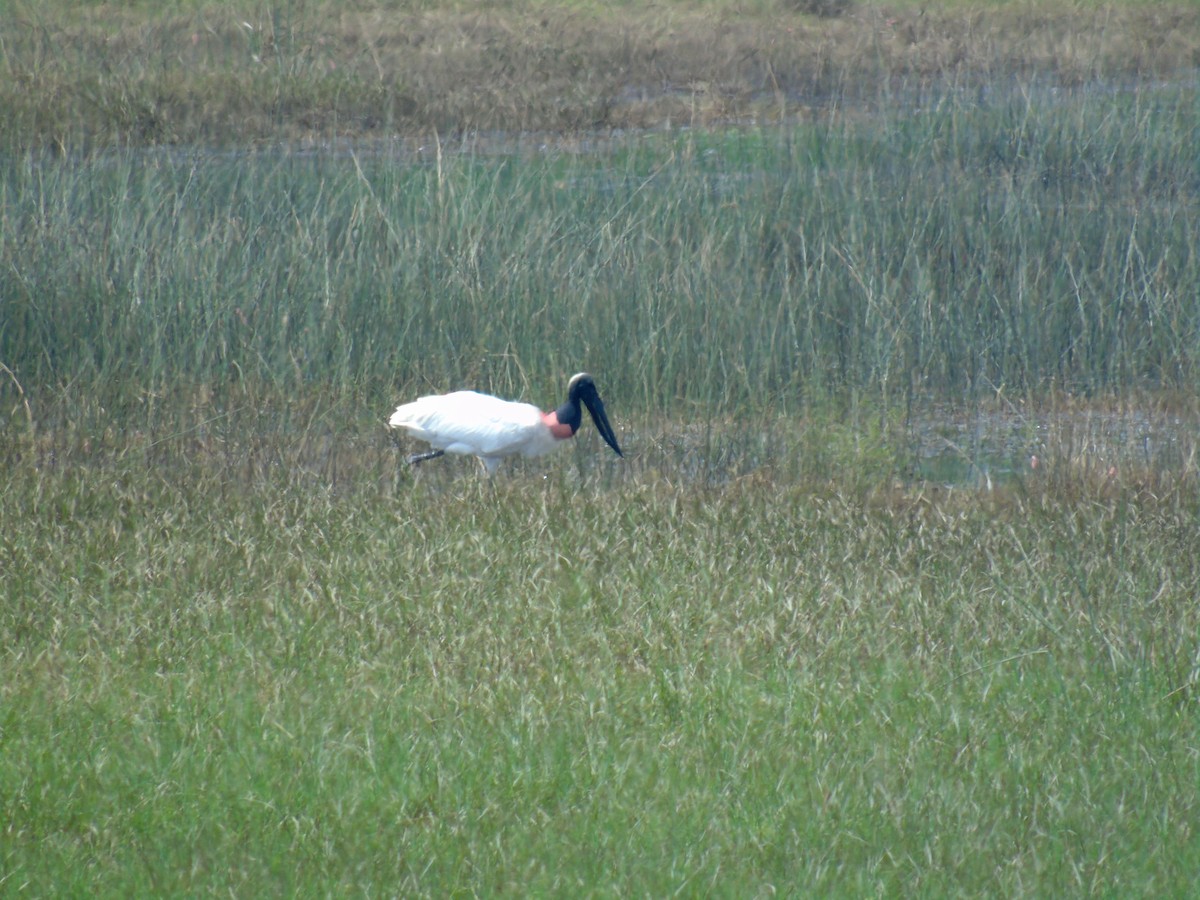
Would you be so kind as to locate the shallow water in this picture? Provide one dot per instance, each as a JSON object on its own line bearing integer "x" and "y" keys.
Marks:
{"x": 992, "y": 447}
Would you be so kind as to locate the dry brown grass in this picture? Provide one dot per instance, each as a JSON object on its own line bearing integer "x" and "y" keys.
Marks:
{"x": 221, "y": 74}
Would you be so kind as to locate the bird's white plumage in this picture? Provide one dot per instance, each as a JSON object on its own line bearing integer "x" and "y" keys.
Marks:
{"x": 469, "y": 423}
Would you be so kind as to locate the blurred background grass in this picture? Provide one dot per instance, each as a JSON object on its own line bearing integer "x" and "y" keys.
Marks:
{"x": 223, "y": 73}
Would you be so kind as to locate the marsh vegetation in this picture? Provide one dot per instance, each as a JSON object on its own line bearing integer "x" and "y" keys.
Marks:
{"x": 896, "y": 313}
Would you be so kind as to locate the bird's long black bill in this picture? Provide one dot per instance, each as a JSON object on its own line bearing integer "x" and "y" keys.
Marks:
{"x": 596, "y": 407}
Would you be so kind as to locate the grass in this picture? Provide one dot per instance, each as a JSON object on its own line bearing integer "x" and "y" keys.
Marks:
{"x": 1038, "y": 241}
{"x": 826, "y": 629}
{"x": 82, "y": 76}
{"x": 218, "y": 687}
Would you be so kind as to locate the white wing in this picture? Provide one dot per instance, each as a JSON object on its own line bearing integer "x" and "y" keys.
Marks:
{"x": 471, "y": 423}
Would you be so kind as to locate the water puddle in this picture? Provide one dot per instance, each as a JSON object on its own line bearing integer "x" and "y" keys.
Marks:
{"x": 991, "y": 448}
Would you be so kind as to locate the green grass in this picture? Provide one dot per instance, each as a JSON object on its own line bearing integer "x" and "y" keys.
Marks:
{"x": 244, "y": 650}
{"x": 215, "y": 686}
{"x": 1037, "y": 241}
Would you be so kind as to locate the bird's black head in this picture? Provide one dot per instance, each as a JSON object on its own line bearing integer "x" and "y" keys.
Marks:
{"x": 582, "y": 390}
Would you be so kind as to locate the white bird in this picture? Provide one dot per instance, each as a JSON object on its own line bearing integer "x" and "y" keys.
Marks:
{"x": 473, "y": 424}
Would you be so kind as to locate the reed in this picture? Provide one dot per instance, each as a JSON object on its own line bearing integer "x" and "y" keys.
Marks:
{"x": 943, "y": 248}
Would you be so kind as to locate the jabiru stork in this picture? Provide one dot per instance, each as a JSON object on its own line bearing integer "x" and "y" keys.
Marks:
{"x": 473, "y": 424}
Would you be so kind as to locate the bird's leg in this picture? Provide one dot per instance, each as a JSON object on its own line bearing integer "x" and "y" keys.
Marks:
{"x": 421, "y": 457}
